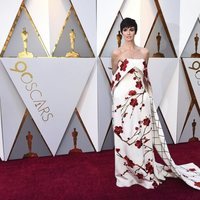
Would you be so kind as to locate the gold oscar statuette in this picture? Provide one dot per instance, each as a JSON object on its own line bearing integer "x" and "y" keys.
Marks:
{"x": 72, "y": 53}
{"x": 158, "y": 54}
{"x": 196, "y": 42}
{"x": 30, "y": 154}
{"x": 75, "y": 149}
{"x": 25, "y": 53}
{"x": 119, "y": 39}
{"x": 193, "y": 139}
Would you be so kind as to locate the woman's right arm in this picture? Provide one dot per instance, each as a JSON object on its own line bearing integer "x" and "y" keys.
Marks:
{"x": 114, "y": 60}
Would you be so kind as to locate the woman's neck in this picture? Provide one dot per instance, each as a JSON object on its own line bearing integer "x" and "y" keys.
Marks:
{"x": 130, "y": 45}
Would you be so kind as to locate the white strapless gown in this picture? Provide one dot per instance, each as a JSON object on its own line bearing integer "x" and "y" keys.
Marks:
{"x": 138, "y": 133}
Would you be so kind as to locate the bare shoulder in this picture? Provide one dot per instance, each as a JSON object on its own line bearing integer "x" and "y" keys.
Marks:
{"x": 144, "y": 53}
{"x": 116, "y": 53}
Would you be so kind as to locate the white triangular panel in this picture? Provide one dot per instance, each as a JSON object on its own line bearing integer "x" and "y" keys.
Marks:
{"x": 8, "y": 12}
{"x": 192, "y": 66}
{"x": 87, "y": 17}
{"x": 58, "y": 11}
{"x": 1, "y": 136}
{"x": 160, "y": 74}
{"x": 184, "y": 100}
{"x": 88, "y": 108}
{"x": 49, "y": 18}
{"x": 107, "y": 66}
{"x": 188, "y": 130}
{"x": 148, "y": 13}
{"x": 50, "y": 89}
{"x": 171, "y": 12}
{"x": 104, "y": 103}
{"x": 106, "y": 12}
{"x": 189, "y": 12}
{"x": 131, "y": 9}
{"x": 39, "y": 12}
{"x": 169, "y": 105}
{"x": 12, "y": 108}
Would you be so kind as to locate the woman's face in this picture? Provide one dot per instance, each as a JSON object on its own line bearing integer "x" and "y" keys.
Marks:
{"x": 128, "y": 33}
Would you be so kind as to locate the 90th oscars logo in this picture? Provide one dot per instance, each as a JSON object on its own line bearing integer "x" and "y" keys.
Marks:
{"x": 196, "y": 67}
{"x": 35, "y": 94}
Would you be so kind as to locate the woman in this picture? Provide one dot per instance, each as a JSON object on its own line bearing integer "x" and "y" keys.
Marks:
{"x": 135, "y": 121}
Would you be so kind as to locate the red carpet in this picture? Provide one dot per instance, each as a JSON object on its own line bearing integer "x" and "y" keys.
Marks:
{"x": 88, "y": 176}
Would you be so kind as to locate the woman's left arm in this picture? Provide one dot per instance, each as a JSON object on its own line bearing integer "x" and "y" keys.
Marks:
{"x": 145, "y": 71}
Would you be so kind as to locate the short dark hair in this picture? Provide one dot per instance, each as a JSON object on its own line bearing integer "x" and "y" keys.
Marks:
{"x": 127, "y": 23}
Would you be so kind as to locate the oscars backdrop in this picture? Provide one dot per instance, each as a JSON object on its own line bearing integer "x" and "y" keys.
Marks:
{"x": 55, "y": 72}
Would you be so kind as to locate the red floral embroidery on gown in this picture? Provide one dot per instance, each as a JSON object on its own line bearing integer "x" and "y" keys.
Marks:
{"x": 137, "y": 131}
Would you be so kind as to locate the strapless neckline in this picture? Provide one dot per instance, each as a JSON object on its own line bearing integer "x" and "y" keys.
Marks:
{"x": 133, "y": 59}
